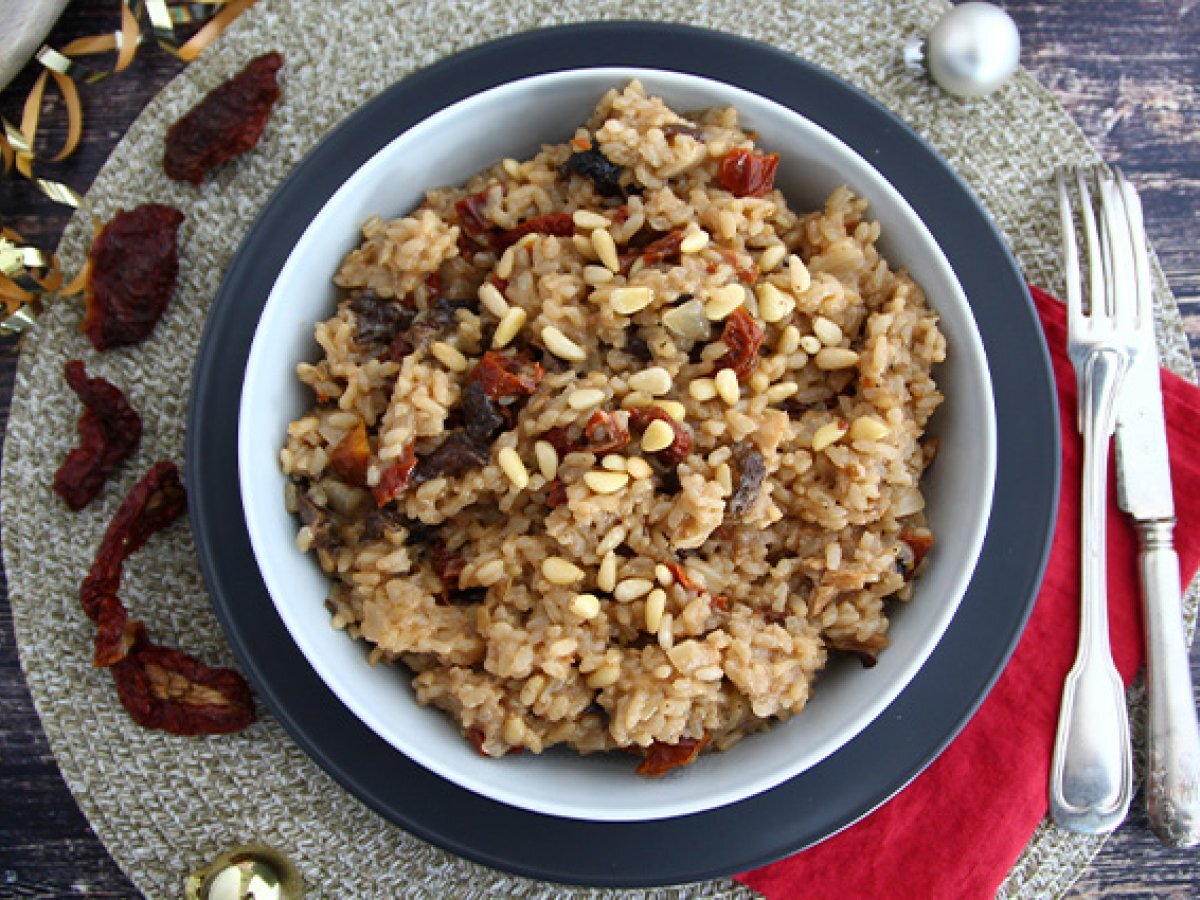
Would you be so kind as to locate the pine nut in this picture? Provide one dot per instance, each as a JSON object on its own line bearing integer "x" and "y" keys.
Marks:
{"x": 509, "y": 327}
{"x": 606, "y": 575}
{"x": 586, "y": 606}
{"x": 867, "y": 428}
{"x": 724, "y": 477}
{"x": 638, "y": 468}
{"x": 586, "y": 219}
{"x": 604, "y": 677}
{"x": 596, "y": 275}
{"x": 560, "y": 571}
{"x": 658, "y": 436}
{"x": 606, "y": 482}
{"x": 666, "y": 636}
{"x": 636, "y": 399}
{"x": 613, "y": 462}
{"x": 773, "y": 304}
{"x": 702, "y": 389}
{"x": 606, "y": 248}
{"x": 810, "y": 344}
{"x": 656, "y": 381}
{"x": 561, "y": 345}
{"x": 513, "y": 733}
{"x": 507, "y": 261}
{"x": 512, "y": 466}
{"x": 724, "y": 300}
{"x": 449, "y": 356}
{"x": 585, "y": 398}
{"x": 798, "y": 272}
{"x": 629, "y": 300}
{"x": 672, "y": 408}
{"x": 771, "y": 257}
{"x": 777, "y": 393}
{"x": 827, "y": 331}
{"x": 615, "y": 537}
{"x": 632, "y": 588}
{"x": 493, "y": 301}
{"x": 490, "y": 572}
{"x": 727, "y": 386}
{"x": 664, "y": 575}
{"x": 656, "y": 603}
{"x": 759, "y": 382}
{"x": 694, "y": 240}
{"x": 513, "y": 169}
{"x": 583, "y": 246}
{"x": 789, "y": 340}
{"x": 547, "y": 459}
{"x": 828, "y": 434}
{"x": 831, "y": 358}
{"x": 528, "y": 241}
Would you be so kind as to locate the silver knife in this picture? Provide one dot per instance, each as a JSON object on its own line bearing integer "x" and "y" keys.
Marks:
{"x": 1144, "y": 491}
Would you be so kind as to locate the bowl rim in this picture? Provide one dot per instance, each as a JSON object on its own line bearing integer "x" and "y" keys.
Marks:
{"x": 1020, "y": 529}
{"x": 262, "y": 505}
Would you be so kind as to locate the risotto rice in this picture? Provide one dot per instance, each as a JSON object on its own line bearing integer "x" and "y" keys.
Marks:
{"x": 612, "y": 448}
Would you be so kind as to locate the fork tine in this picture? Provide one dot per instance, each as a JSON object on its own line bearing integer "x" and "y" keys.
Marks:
{"x": 1117, "y": 230}
{"x": 1141, "y": 256}
{"x": 1070, "y": 254}
{"x": 1096, "y": 281}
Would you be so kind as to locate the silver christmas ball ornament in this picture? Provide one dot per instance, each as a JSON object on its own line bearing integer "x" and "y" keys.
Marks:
{"x": 972, "y": 50}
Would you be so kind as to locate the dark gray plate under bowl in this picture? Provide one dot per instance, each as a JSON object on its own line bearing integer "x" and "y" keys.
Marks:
{"x": 809, "y": 807}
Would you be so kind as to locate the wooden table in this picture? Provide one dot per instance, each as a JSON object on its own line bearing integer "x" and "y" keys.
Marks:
{"x": 1127, "y": 70}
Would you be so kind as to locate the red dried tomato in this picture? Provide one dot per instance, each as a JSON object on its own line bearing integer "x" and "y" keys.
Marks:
{"x": 395, "y": 478}
{"x": 665, "y": 249}
{"x": 743, "y": 336}
{"x": 502, "y": 376}
{"x": 662, "y": 758}
{"x": 556, "y": 493}
{"x": 132, "y": 269}
{"x": 351, "y": 458}
{"x": 475, "y": 228}
{"x": 559, "y": 437}
{"x": 109, "y": 432}
{"x": 748, "y": 174}
{"x": 448, "y": 565}
{"x": 228, "y": 122}
{"x": 680, "y": 447}
{"x": 558, "y": 224}
{"x": 681, "y": 577}
{"x": 604, "y": 433}
{"x": 169, "y": 690}
{"x": 153, "y": 503}
{"x": 920, "y": 543}
{"x": 115, "y": 632}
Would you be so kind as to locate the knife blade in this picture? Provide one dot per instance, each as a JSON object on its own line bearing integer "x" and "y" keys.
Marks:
{"x": 1144, "y": 492}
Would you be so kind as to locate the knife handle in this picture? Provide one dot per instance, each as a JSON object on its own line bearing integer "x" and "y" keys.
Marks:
{"x": 1173, "y": 776}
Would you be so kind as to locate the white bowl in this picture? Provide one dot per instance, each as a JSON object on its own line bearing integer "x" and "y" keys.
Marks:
{"x": 446, "y": 149}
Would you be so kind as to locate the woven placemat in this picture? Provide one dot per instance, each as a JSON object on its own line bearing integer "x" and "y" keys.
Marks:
{"x": 164, "y": 805}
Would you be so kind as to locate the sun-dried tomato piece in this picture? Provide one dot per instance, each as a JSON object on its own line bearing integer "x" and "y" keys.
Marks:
{"x": 743, "y": 336}
{"x": 109, "y": 432}
{"x": 448, "y": 565}
{"x": 506, "y": 376}
{"x": 154, "y": 502}
{"x": 681, "y": 577}
{"x": 228, "y": 122}
{"x": 476, "y": 230}
{"x": 132, "y": 269}
{"x": 395, "y": 478}
{"x": 169, "y": 690}
{"x": 556, "y": 493}
{"x": 866, "y": 650}
{"x": 920, "y": 543}
{"x": 558, "y": 224}
{"x": 604, "y": 433}
{"x": 664, "y": 249}
{"x": 662, "y": 758}
{"x": 679, "y": 448}
{"x": 748, "y": 174}
{"x": 351, "y": 458}
{"x": 459, "y": 453}
{"x": 559, "y": 437}
{"x": 115, "y": 632}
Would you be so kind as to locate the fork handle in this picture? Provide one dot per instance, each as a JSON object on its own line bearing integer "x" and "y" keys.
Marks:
{"x": 1091, "y": 776}
{"x": 1173, "y": 768}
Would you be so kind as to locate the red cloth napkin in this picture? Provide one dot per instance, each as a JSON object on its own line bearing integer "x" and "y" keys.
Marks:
{"x": 956, "y": 831}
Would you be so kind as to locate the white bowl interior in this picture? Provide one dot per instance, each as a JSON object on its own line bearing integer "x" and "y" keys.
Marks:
{"x": 446, "y": 149}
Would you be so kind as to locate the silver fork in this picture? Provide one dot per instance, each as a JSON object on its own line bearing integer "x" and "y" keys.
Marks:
{"x": 1091, "y": 777}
